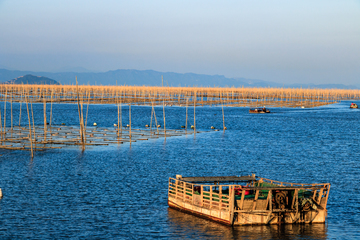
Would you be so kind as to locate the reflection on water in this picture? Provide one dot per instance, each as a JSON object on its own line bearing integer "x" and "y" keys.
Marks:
{"x": 196, "y": 227}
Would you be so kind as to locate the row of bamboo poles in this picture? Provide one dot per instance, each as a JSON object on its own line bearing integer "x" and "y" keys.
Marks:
{"x": 277, "y": 97}
{"x": 83, "y": 96}
{"x": 39, "y": 138}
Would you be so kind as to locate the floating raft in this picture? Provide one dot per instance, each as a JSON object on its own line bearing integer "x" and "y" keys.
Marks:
{"x": 249, "y": 200}
{"x": 18, "y": 138}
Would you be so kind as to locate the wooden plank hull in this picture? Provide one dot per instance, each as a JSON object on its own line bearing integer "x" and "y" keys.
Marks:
{"x": 250, "y": 218}
{"x": 217, "y": 216}
{"x": 264, "y": 218}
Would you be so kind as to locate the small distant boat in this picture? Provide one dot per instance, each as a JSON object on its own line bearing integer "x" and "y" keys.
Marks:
{"x": 259, "y": 110}
{"x": 353, "y": 105}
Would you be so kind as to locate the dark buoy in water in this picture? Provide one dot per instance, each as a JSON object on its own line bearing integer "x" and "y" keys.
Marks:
{"x": 182, "y": 126}
{"x": 212, "y": 127}
{"x": 146, "y": 125}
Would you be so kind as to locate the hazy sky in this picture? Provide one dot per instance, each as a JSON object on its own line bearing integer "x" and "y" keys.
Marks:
{"x": 304, "y": 41}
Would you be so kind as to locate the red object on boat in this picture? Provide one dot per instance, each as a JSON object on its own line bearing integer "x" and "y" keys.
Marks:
{"x": 238, "y": 191}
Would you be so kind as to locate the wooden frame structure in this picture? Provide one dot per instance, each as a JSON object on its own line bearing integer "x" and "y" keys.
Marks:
{"x": 249, "y": 200}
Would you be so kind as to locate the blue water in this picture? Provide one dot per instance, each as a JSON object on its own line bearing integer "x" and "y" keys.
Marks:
{"x": 120, "y": 191}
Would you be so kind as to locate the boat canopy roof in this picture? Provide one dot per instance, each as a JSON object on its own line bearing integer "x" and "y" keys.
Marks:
{"x": 265, "y": 183}
{"x": 217, "y": 179}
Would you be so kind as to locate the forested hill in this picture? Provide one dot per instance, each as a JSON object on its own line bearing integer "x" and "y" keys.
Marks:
{"x": 31, "y": 79}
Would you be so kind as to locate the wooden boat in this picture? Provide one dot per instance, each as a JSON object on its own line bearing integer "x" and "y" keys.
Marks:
{"x": 249, "y": 200}
{"x": 259, "y": 110}
{"x": 353, "y": 105}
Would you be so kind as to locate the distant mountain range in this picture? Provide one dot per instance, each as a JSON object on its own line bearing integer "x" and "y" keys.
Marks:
{"x": 31, "y": 79}
{"x": 153, "y": 78}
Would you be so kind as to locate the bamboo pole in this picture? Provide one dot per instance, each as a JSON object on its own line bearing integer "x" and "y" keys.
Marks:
{"x": 11, "y": 113}
{"x": 82, "y": 120}
{"x": 151, "y": 117}
{"x": 51, "y": 108}
{"x": 194, "y": 113}
{"x": 157, "y": 125}
{"x": 33, "y": 122}
{"x": 118, "y": 115}
{"x": 130, "y": 122}
{"x": 164, "y": 119}
{"x": 1, "y": 129}
{"x": 31, "y": 145}
{"x": 222, "y": 108}
{"x": 45, "y": 121}
{"x": 78, "y": 103}
{"x": 187, "y": 104}
{"x": 87, "y": 111}
{"x": 20, "y": 102}
{"x": 5, "y": 115}
{"x": 162, "y": 83}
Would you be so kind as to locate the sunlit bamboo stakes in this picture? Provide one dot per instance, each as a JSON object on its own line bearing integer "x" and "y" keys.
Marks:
{"x": 45, "y": 121}
{"x": 194, "y": 113}
{"x": 33, "y": 123}
{"x": 81, "y": 118}
{"x": 164, "y": 118}
{"x": 154, "y": 96}
{"x": 20, "y": 103}
{"x": 118, "y": 114}
{"x": 120, "y": 117}
{"x": 51, "y": 109}
{"x": 30, "y": 131}
{"x": 130, "y": 122}
{"x": 186, "y": 119}
{"x": 11, "y": 114}
{"x": 5, "y": 114}
{"x": 177, "y": 95}
{"x": 223, "y": 116}
{"x": 83, "y": 133}
{"x": 1, "y": 128}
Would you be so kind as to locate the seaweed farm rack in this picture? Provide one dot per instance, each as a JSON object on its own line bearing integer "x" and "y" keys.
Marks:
{"x": 181, "y": 96}
{"x": 29, "y": 136}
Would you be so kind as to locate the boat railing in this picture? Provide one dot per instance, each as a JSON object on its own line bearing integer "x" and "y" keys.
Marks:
{"x": 290, "y": 184}
{"x": 214, "y": 197}
{"x": 256, "y": 196}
